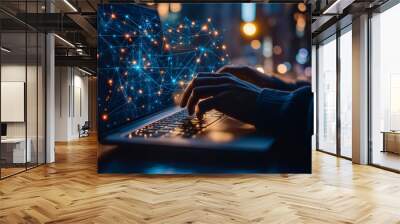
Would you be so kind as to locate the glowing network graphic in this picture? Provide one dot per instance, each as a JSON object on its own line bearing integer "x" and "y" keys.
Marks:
{"x": 143, "y": 64}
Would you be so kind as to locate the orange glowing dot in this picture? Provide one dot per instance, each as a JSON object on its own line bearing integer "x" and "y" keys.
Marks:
{"x": 104, "y": 117}
{"x": 224, "y": 46}
{"x": 255, "y": 44}
{"x": 110, "y": 82}
{"x": 282, "y": 68}
{"x": 113, "y": 16}
{"x": 204, "y": 28}
{"x": 277, "y": 50}
{"x": 302, "y": 7}
{"x": 127, "y": 36}
{"x": 122, "y": 50}
{"x": 249, "y": 29}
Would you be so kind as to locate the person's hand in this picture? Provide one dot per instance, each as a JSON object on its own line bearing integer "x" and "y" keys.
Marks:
{"x": 248, "y": 74}
{"x": 223, "y": 92}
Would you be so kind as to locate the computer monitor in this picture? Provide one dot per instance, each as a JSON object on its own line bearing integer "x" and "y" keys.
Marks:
{"x": 3, "y": 129}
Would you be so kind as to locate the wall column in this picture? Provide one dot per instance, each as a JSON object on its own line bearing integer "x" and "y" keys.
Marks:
{"x": 360, "y": 90}
{"x": 50, "y": 92}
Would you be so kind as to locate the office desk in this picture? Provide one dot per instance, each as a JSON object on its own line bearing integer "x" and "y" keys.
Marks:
{"x": 391, "y": 141}
{"x": 13, "y": 150}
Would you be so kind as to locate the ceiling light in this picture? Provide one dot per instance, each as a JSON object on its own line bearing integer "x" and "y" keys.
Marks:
{"x": 337, "y": 7}
{"x": 64, "y": 40}
{"x": 5, "y": 50}
{"x": 70, "y": 5}
{"x": 84, "y": 71}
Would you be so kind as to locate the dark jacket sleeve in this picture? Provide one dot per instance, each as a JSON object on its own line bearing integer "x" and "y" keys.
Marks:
{"x": 276, "y": 83}
{"x": 286, "y": 113}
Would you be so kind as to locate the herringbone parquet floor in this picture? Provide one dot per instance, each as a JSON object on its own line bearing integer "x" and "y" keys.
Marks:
{"x": 70, "y": 191}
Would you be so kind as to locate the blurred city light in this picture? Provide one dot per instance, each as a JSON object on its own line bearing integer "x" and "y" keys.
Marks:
{"x": 267, "y": 47}
{"x": 277, "y": 50}
{"x": 288, "y": 65}
{"x": 248, "y": 12}
{"x": 264, "y": 43}
{"x": 260, "y": 68}
{"x": 249, "y": 29}
{"x": 255, "y": 44}
{"x": 175, "y": 7}
{"x": 163, "y": 10}
{"x": 281, "y": 68}
{"x": 302, "y": 56}
{"x": 301, "y": 22}
{"x": 301, "y": 7}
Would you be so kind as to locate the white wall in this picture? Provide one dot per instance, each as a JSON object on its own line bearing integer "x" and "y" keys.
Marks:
{"x": 13, "y": 73}
{"x": 33, "y": 127}
{"x": 71, "y": 102}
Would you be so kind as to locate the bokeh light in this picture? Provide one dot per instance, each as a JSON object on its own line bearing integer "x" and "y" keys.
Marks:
{"x": 249, "y": 29}
{"x": 277, "y": 50}
{"x": 163, "y": 9}
{"x": 302, "y": 56}
{"x": 288, "y": 65}
{"x": 248, "y": 12}
{"x": 302, "y": 7}
{"x": 281, "y": 68}
{"x": 260, "y": 68}
{"x": 175, "y": 7}
{"x": 255, "y": 44}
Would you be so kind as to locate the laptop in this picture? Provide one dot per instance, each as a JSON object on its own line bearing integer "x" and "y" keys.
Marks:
{"x": 143, "y": 66}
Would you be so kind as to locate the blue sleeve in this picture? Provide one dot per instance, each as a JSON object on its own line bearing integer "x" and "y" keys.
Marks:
{"x": 283, "y": 112}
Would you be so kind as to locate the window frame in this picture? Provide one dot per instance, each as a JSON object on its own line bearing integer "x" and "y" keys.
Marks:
{"x": 378, "y": 10}
{"x": 333, "y": 37}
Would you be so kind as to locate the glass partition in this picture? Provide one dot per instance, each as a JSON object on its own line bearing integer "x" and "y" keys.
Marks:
{"x": 385, "y": 89}
{"x": 22, "y": 89}
{"x": 327, "y": 96}
{"x": 15, "y": 149}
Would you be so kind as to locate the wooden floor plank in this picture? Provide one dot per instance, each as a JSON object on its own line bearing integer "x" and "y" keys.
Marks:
{"x": 71, "y": 191}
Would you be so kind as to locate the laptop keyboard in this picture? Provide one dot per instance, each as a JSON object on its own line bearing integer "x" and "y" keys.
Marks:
{"x": 179, "y": 124}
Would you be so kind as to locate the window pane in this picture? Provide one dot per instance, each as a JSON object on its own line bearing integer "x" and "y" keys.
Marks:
{"x": 346, "y": 94}
{"x": 327, "y": 97}
{"x": 385, "y": 84}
